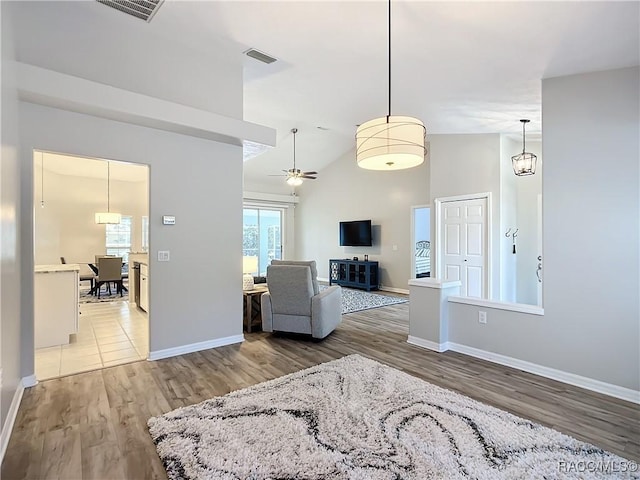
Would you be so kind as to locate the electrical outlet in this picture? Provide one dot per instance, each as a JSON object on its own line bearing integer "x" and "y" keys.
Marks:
{"x": 482, "y": 317}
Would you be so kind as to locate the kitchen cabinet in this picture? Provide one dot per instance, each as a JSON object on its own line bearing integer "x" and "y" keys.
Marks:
{"x": 144, "y": 287}
{"x": 56, "y": 296}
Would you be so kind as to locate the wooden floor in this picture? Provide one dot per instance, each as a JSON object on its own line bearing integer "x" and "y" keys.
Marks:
{"x": 93, "y": 425}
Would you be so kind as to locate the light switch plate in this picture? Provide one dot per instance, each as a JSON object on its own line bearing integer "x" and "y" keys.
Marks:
{"x": 163, "y": 255}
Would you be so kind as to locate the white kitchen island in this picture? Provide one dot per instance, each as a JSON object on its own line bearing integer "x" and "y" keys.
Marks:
{"x": 56, "y": 304}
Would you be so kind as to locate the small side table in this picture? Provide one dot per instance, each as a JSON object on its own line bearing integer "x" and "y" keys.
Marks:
{"x": 252, "y": 308}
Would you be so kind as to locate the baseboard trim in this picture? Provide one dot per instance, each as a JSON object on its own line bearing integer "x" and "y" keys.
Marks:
{"x": 30, "y": 381}
{"x": 394, "y": 289}
{"x": 381, "y": 288}
{"x": 195, "y": 347}
{"x": 12, "y": 414}
{"x": 421, "y": 342}
{"x": 552, "y": 373}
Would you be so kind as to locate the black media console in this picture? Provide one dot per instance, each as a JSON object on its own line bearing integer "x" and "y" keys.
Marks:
{"x": 354, "y": 273}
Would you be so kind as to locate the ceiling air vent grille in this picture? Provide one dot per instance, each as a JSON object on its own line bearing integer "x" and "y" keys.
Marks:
{"x": 142, "y": 9}
{"x": 258, "y": 55}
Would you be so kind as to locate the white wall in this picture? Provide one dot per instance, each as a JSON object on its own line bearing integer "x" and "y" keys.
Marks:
{"x": 66, "y": 227}
{"x": 591, "y": 322}
{"x": 198, "y": 181}
{"x": 465, "y": 164}
{"x": 110, "y": 47}
{"x": 508, "y": 220}
{"x": 344, "y": 192}
{"x": 10, "y": 240}
{"x": 591, "y": 224}
{"x": 528, "y": 189}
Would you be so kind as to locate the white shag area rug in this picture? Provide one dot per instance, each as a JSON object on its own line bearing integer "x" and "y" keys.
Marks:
{"x": 354, "y": 418}
{"x": 357, "y": 300}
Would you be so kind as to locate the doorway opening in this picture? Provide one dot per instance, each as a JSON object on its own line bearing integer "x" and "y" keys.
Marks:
{"x": 262, "y": 234}
{"x": 421, "y": 241}
{"x": 84, "y": 320}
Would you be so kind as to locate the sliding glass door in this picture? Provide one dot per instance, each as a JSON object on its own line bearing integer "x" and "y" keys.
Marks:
{"x": 262, "y": 235}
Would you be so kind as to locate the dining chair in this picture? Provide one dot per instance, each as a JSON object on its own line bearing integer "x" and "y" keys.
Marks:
{"x": 109, "y": 270}
{"x": 84, "y": 276}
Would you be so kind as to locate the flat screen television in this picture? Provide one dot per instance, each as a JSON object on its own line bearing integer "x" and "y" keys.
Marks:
{"x": 355, "y": 234}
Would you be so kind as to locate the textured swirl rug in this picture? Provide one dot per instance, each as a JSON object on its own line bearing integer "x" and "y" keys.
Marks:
{"x": 357, "y": 300}
{"x": 354, "y": 418}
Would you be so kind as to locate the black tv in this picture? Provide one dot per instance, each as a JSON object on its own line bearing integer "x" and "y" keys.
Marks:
{"x": 355, "y": 234}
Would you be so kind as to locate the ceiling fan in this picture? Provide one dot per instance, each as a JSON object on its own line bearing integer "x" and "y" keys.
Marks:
{"x": 294, "y": 175}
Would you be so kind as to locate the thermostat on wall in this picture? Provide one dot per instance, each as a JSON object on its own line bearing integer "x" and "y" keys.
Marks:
{"x": 168, "y": 220}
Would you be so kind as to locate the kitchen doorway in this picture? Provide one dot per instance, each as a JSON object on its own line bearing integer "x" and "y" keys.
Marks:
{"x": 94, "y": 331}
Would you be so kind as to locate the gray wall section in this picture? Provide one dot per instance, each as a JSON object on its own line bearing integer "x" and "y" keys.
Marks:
{"x": 591, "y": 316}
{"x": 344, "y": 192}
{"x": 468, "y": 164}
{"x": 10, "y": 242}
{"x": 139, "y": 58}
{"x": 591, "y": 224}
{"x": 198, "y": 181}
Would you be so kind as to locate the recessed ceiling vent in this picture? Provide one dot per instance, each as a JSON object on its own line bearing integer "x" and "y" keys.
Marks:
{"x": 142, "y": 9}
{"x": 258, "y": 55}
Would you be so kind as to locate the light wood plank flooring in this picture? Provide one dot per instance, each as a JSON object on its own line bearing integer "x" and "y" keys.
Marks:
{"x": 93, "y": 425}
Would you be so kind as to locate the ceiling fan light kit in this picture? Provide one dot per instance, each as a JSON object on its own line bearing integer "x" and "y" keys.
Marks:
{"x": 294, "y": 175}
{"x": 524, "y": 163}
{"x": 392, "y": 142}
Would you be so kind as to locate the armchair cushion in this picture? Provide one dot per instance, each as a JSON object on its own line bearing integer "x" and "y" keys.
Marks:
{"x": 311, "y": 264}
{"x": 291, "y": 305}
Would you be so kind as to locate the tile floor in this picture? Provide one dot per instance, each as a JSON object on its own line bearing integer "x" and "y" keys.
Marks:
{"x": 110, "y": 333}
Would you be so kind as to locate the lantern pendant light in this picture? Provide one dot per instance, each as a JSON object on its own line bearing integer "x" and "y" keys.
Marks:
{"x": 392, "y": 142}
{"x": 524, "y": 163}
{"x": 108, "y": 217}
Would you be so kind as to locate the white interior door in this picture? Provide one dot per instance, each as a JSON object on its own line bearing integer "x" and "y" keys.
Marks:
{"x": 463, "y": 245}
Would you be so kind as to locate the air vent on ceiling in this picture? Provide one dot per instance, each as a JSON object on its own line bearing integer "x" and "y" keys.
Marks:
{"x": 258, "y": 55}
{"x": 142, "y": 9}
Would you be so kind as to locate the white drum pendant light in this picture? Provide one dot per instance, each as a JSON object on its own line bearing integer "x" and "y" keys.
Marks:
{"x": 108, "y": 217}
{"x": 392, "y": 142}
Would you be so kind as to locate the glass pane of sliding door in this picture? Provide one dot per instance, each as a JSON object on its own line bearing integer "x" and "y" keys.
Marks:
{"x": 262, "y": 236}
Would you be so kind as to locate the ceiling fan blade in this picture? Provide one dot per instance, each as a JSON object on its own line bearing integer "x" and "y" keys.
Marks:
{"x": 277, "y": 175}
{"x": 307, "y": 176}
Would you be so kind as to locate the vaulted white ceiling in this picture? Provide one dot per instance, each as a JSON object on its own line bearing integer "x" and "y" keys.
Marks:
{"x": 461, "y": 67}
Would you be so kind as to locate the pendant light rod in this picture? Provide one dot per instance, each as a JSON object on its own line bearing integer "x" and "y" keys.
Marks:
{"x": 108, "y": 186}
{"x": 390, "y": 142}
{"x": 524, "y": 122}
{"x": 389, "y": 15}
{"x": 294, "y": 131}
{"x": 108, "y": 217}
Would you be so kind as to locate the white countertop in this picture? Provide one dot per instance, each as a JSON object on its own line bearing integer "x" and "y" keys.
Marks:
{"x": 142, "y": 258}
{"x": 66, "y": 267}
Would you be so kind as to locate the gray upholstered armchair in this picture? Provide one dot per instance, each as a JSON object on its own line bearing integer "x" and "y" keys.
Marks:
{"x": 294, "y": 302}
